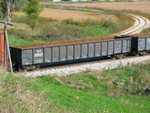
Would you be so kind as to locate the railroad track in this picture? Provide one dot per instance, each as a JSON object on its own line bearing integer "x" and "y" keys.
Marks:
{"x": 97, "y": 65}
{"x": 139, "y": 25}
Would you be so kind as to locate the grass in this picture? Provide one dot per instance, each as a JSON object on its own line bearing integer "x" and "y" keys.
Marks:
{"x": 146, "y": 30}
{"x": 57, "y": 30}
{"x": 61, "y": 30}
{"x": 17, "y": 41}
{"x": 91, "y": 92}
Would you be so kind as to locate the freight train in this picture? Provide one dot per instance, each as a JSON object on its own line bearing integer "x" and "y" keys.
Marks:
{"x": 33, "y": 56}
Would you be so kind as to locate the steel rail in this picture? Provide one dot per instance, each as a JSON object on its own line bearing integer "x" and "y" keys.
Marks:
{"x": 135, "y": 29}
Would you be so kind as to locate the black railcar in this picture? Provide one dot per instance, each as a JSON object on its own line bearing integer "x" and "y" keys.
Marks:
{"x": 35, "y": 55}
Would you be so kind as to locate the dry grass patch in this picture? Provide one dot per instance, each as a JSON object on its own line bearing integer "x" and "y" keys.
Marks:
{"x": 75, "y": 15}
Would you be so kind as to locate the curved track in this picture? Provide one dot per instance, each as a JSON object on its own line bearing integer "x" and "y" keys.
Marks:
{"x": 139, "y": 25}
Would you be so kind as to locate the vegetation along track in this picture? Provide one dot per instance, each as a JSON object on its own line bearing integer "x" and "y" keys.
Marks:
{"x": 139, "y": 25}
{"x": 140, "y": 21}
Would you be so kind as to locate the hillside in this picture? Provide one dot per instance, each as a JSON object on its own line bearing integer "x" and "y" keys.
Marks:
{"x": 114, "y": 91}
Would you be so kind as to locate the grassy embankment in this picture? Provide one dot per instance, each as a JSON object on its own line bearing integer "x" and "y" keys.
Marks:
{"x": 54, "y": 30}
{"x": 112, "y": 91}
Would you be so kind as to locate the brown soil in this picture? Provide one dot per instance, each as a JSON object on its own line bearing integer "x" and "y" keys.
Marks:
{"x": 76, "y": 15}
{"x": 135, "y": 6}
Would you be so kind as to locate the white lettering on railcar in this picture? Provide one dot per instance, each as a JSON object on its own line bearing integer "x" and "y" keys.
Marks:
{"x": 38, "y": 55}
{"x": 39, "y": 51}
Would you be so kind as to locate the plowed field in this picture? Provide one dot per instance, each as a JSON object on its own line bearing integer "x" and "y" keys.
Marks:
{"x": 135, "y": 6}
{"x": 76, "y": 15}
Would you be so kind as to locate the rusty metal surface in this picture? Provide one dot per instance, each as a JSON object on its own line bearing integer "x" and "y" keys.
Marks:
{"x": 59, "y": 43}
{"x": 2, "y": 52}
{"x": 69, "y": 42}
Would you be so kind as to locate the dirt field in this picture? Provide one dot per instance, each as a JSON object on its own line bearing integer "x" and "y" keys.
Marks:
{"x": 135, "y": 6}
{"x": 76, "y": 15}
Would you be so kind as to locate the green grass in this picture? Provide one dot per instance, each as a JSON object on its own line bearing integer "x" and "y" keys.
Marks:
{"x": 87, "y": 92}
{"x": 146, "y": 30}
{"x": 89, "y": 32}
{"x": 97, "y": 31}
{"x": 83, "y": 101}
{"x": 17, "y": 41}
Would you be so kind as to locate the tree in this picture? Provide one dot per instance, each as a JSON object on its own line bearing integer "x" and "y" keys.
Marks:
{"x": 3, "y": 9}
{"x": 32, "y": 9}
{"x": 7, "y": 6}
{"x": 18, "y": 4}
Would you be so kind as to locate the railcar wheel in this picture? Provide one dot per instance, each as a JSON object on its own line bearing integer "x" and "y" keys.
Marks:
{"x": 142, "y": 53}
{"x": 147, "y": 52}
{"x": 31, "y": 67}
{"x": 37, "y": 67}
{"x": 119, "y": 56}
{"x": 17, "y": 67}
{"x": 112, "y": 57}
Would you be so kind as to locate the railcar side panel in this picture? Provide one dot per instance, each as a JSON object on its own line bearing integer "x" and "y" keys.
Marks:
{"x": 129, "y": 42}
{"x": 70, "y": 52}
{"x": 26, "y": 56}
{"x": 97, "y": 49}
{"x": 77, "y": 51}
{"x": 141, "y": 44}
{"x": 104, "y": 48}
{"x": 48, "y": 54}
{"x": 38, "y": 55}
{"x": 110, "y": 47}
{"x": 63, "y": 53}
{"x": 117, "y": 46}
{"x": 55, "y": 54}
{"x": 91, "y": 50}
{"x": 125, "y": 46}
{"x": 148, "y": 43}
{"x": 84, "y": 51}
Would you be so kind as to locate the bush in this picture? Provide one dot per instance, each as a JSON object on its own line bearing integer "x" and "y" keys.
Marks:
{"x": 139, "y": 80}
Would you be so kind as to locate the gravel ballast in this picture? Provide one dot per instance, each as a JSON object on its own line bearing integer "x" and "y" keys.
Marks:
{"x": 103, "y": 65}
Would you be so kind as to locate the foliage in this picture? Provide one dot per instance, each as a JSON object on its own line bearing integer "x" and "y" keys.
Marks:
{"x": 32, "y": 9}
{"x": 2, "y": 8}
{"x": 18, "y": 5}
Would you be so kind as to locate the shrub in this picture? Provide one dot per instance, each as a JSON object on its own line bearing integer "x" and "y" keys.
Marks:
{"x": 140, "y": 80}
